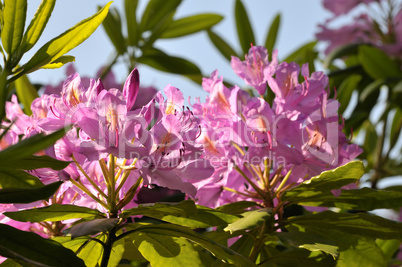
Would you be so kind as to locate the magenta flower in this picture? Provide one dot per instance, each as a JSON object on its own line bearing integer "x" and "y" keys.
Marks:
{"x": 254, "y": 69}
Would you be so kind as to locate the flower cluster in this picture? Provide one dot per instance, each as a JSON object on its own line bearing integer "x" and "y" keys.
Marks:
{"x": 259, "y": 150}
{"x": 380, "y": 24}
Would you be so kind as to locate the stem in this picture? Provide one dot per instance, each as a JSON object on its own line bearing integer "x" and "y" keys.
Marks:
{"x": 3, "y": 91}
{"x": 259, "y": 243}
{"x": 112, "y": 193}
{"x": 107, "y": 248}
{"x": 377, "y": 167}
{"x": 86, "y": 191}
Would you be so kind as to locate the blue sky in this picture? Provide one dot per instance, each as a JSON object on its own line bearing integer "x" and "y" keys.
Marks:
{"x": 299, "y": 23}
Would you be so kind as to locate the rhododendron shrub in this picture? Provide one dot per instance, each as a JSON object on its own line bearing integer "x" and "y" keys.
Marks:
{"x": 98, "y": 173}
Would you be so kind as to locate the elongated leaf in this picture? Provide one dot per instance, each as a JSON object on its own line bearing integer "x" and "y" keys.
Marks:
{"x": 26, "y": 93}
{"x": 226, "y": 50}
{"x": 163, "y": 250}
{"x": 191, "y": 25}
{"x": 37, "y": 25}
{"x": 53, "y": 213}
{"x": 60, "y": 62}
{"x": 184, "y": 208}
{"x": 362, "y": 224}
{"x": 359, "y": 199}
{"x": 168, "y": 63}
{"x": 325, "y": 182}
{"x": 156, "y": 11}
{"x": 130, "y": 7}
{"x": 14, "y": 16}
{"x": 28, "y": 195}
{"x": 29, "y": 146}
{"x": 376, "y": 63}
{"x": 372, "y": 87}
{"x": 37, "y": 162}
{"x": 243, "y": 26}
{"x": 92, "y": 227}
{"x": 216, "y": 249}
{"x": 273, "y": 33}
{"x": 68, "y": 40}
{"x": 237, "y": 207}
{"x": 301, "y": 258}
{"x": 11, "y": 178}
{"x": 250, "y": 220}
{"x": 33, "y": 249}
{"x": 112, "y": 26}
{"x": 341, "y": 51}
{"x": 388, "y": 247}
{"x": 346, "y": 89}
{"x": 396, "y": 127}
{"x": 309, "y": 241}
{"x": 303, "y": 54}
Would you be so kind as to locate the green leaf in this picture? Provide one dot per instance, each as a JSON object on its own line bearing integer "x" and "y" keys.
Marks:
{"x": 372, "y": 87}
{"x": 244, "y": 245}
{"x": 11, "y": 178}
{"x": 216, "y": 249}
{"x": 362, "y": 224}
{"x": 60, "y": 62}
{"x": 376, "y": 63}
{"x": 250, "y": 220}
{"x": 163, "y": 62}
{"x": 14, "y": 15}
{"x": 112, "y": 26}
{"x": 244, "y": 30}
{"x": 26, "y": 93}
{"x": 325, "y": 182}
{"x": 305, "y": 53}
{"x": 346, "y": 89}
{"x": 395, "y": 127}
{"x": 10, "y": 263}
{"x": 25, "y": 148}
{"x": 192, "y": 24}
{"x": 92, "y": 227}
{"x": 359, "y": 199}
{"x": 164, "y": 250}
{"x": 34, "y": 249}
{"x": 37, "y": 25}
{"x": 300, "y": 258}
{"x": 272, "y": 33}
{"x": 183, "y": 208}
{"x": 226, "y": 50}
{"x": 388, "y": 247}
{"x": 28, "y": 195}
{"x": 37, "y": 162}
{"x": 237, "y": 207}
{"x": 309, "y": 241}
{"x": 340, "y": 51}
{"x": 130, "y": 7}
{"x": 156, "y": 11}
{"x": 53, "y": 213}
{"x": 117, "y": 252}
{"x": 66, "y": 41}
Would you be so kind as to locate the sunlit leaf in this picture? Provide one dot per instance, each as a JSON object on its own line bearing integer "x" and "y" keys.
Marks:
{"x": 66, "y": 41}
{"x": 14, "y": 15}
{"x": 12, "y": 178}
{"x": 53, "y": 213}
{"x": 60, "y": 62}
{"x": 26, "y": 93}
{"x": 216, "y": 249}
{"x": 37, "y": 25}
{"x": 325, "y": 182}
{"x": 272, "y": 34}
{"x": 192, "y": 24}
{"x": 249, "y": 220}
{"x": 243, "y": 26}
{"x": 237, "y": 207}
{"x": 164, "y": 250}
{"x": 34, "y": 249}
